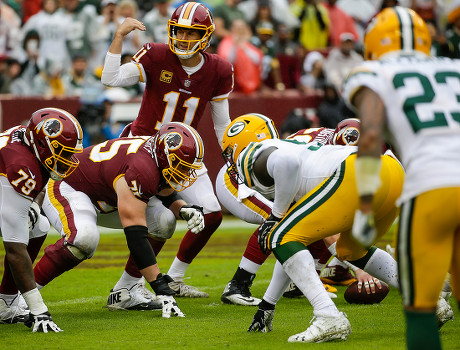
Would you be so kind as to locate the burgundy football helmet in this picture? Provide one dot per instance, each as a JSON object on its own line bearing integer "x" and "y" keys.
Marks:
{"x": 179, "y": 153}
{"x": 55, "y": 136}
{"x": 191, "y": 15}
{"x": 347, "y": 132}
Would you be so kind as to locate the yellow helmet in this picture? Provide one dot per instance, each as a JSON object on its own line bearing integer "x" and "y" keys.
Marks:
{"x": 396, "y": 29}
{"x": 241, "y": 132}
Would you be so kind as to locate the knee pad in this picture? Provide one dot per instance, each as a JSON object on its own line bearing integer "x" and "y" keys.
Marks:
{"x": 85, "y": 241}
{"x": 162, "y": 225}
{"x": 41, "y": 227}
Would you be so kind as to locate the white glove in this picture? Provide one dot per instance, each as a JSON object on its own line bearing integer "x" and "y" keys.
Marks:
{"x": 170, "y": 307}
{"x": 42, "y": 323}
{"x": 34, "y": 215}
{"x": 363, "y": 230}
{"x": 194, "y": 216}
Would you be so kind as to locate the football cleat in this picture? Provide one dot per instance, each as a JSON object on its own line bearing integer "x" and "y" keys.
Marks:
{"x": 444, "y": 312}
{"x": 131, "y": 299}
{"x": 337, "y": 275}
{"x": 183, "y": 290}
{"x": 292, "y": 291}
{"x": 238, "y": 294}
{"x": 13, "y": 313}
{"x": 323, "y": 329}
{"x": 147, "y": 294}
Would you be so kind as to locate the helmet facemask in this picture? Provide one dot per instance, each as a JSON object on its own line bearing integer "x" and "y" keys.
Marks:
{"x": 193, "y": 46}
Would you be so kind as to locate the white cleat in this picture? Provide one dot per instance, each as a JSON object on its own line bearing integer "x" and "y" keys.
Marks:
{"x": 323, "y": 329}
{"x": 146, "y": 293}
{"x": 444, "y": 312}
{"x": 131, "y": 299}
{"x": 183, "y": 290}
{"x": 12, "y": 313}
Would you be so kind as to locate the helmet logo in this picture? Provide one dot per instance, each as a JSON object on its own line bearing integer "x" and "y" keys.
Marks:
{"x": 236, "y": 128}
{"x": 351, "y": 136}
{"x": 51, "y": 127}
{"x": 173, "y": 141}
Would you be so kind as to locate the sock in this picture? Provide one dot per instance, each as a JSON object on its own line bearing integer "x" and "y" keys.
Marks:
{"x": 278, "y": 284}
{"x": 131, "y": 267}
{"x": 380, "y": 264}
{"x": 253, "y": 252}
{"x": 192, "y": 243}
{"x": 249, "y": 265}
{"x": 337, "y": 262}
{"x": 300, "y": 267}
{"x": 56, "y": 260}
{"x": 8, "y": 286}
{"x": 126, "y": 281}
{"x": 177, "y": 269}
{"x": 422, "y": 331}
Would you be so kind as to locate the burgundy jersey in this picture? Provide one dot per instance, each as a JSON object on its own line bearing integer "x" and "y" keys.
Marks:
{"x": 171, "y": 94}
{"x": 101, "y": 165}
{"x": 322, "y": 135}
{"x": 20, "y": 165}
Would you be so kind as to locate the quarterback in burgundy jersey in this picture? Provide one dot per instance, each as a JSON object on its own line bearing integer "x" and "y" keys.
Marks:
{"x": 29, "y": 156}
{"x": 180, "y": 79}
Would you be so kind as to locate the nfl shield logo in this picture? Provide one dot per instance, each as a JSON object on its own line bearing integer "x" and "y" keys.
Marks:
{"x": 187, "y": 83}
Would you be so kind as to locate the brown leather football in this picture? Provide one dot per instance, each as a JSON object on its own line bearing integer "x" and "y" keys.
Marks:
{"x": 352, "y": 295}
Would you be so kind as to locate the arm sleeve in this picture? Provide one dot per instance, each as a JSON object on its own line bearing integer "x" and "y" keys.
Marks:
{"x": 115, "y": 75}
{"x": 220, "y": 117}
{"x": 284, "y": 167}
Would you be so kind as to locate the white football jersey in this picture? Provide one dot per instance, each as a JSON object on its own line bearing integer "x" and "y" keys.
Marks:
{"x": 318, "y": 163}
{"x": 422, "y": 100}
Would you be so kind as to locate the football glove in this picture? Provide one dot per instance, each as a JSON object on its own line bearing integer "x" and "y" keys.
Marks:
{"x": 265, "y": 230}
{"x": 169, "y": 306}
{"x": 34, "y": 214}
{"x": 42, "y": 323}
{"x": 194, "y": 216}
{"x": 262, "y": 321}
{"x": 363, "y": 230}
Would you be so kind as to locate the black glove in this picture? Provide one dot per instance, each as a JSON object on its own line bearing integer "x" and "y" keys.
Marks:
{"x": 43, "y": 323}
{"x": 262, "y": 321}
{"x": 265, "y": 230}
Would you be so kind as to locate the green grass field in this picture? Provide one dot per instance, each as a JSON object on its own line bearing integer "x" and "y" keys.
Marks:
{"x": 77, "y": 302}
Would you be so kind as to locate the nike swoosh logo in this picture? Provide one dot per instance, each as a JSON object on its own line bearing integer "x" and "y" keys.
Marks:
{"x": 148, "y": 46}
{"x": 248, "y": 300}
{"x": 31, "y": 175}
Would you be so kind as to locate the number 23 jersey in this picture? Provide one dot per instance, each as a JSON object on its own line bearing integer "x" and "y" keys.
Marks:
{"x": 173, "y": 95}
{"x": 422, "y": 101}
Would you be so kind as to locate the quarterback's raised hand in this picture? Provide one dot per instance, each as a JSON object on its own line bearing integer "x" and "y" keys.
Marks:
{"x": 42, "y": 323}
{"x": 194, "y": 216}
{"x": 363, "y": 230}
{"x": 265, "y": 230}
{"x": 165, "y": 294}
{"x": 262, "y": 321}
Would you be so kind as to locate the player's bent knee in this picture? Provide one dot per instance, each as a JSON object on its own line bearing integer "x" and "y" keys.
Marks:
{"x": 163, "y": 225}
{"x": 210, "y": 204}
{"x": 86, "y": 240}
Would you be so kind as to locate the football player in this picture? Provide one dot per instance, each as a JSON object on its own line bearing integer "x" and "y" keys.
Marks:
{"x": 29, "y": 156}
{"x": 124, "y": 174}
{"x": 181, "y": 78}
{"x": 252, "y": 207}
{"x": 307, "y": 182}
{"x": 414, "y": 98}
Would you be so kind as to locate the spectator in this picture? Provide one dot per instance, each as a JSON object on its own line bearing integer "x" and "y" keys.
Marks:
{"x": 52, "y": 29}
{"x": 263, "y": 15}
{"x": 314, "y": 23}
{"x": 49, "y": 82}
{"x": 245, "y": 57}
{"x": 288, "y": 54}
{"x": 10, "y": 75}
{"x": 332, "y": 108}
{"x": 295, "y": 121}
{"x": 313, "y": 79}
{"x": 156, "y": 21}
{"x": 9, "y": 32}
{"x": 341, "y": 59}
{"x": 80, "y": 21}
{"x": 224, "y": 16}
{"x": 439, "y": 45}
{"x": 361, "y": 11}
{"x": 453, "y": 34}
{"x": 30, "y": 66}
{"x": 341, "y": 22}
{"x": 134, "y": 40}
{"x": 279, "y": 10}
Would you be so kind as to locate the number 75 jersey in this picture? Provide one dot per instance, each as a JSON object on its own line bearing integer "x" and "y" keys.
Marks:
{"x": 422, "y": 101}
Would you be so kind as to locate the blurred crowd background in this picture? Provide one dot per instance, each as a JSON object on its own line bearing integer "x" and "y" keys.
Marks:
{"x": 56, "y": 48}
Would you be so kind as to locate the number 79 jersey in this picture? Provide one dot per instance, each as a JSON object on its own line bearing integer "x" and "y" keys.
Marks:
{"x": 422, "y": 101}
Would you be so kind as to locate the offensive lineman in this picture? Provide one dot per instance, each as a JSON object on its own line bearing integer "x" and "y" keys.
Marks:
{"x": 416, "y": 99}
{"x": 180, "y": 80}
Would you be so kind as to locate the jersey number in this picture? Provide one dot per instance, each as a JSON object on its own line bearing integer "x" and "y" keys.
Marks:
{"x": 29, "y": 183}
{"x": 171, "y": 99}
{"x": 439, "y": 118}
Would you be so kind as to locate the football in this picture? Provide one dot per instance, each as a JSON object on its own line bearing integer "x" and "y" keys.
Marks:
{"x": 352, "y": 295}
